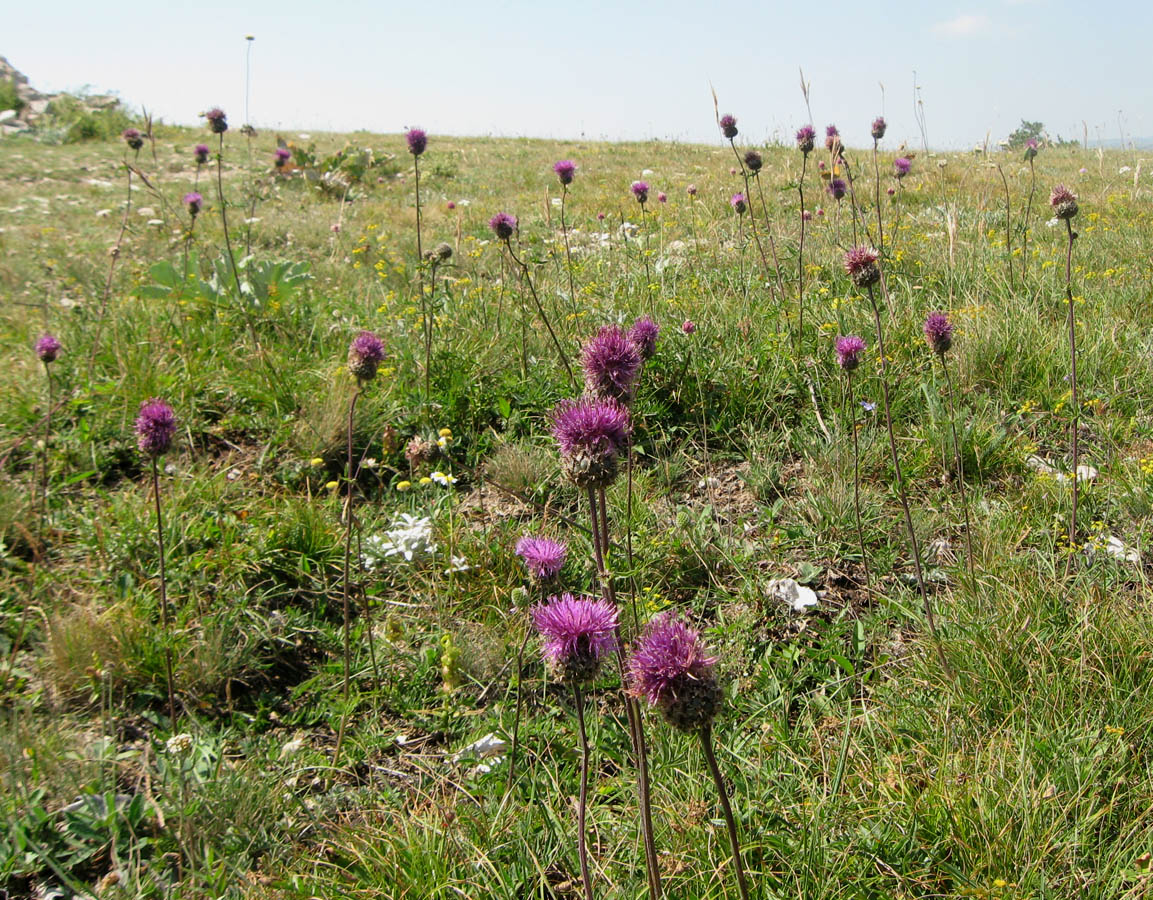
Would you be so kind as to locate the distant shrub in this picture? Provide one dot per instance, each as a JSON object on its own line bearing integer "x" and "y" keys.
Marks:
{"x": 74, "y": 121}
{"x": 9, "y": 99}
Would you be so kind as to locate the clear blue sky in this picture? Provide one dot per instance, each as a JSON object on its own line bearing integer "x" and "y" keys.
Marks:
{"x": 607, "y": 70}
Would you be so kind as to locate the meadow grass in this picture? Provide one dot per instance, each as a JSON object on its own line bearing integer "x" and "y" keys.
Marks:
{"x": 859, "y": 767}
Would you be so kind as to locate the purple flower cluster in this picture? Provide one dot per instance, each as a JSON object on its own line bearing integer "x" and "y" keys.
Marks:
{"x": 754, "y": 161}
{"x": 728, "y": 126}
{"x": 738, "y": 203}
{"x": 806, "y": 139}
{"x": 643, "y": 336}
{"x": 611, "y": 363}
{"x": 849, "y": 350}
{"x": 47, "y": 348}
{"x": 879, "y": 128}
{"x": 283, "y": 155}
{"x": 861, "y": 266}
{"x": 640, "y": 190}
{"x": 365, "y": 354}
{"x": 832, "y": 137}
{"x": 417, "y": 141}
{"x": 201, "y": 152}
{"x": 837, "y": 188}
{"x": 543, "y": 557}
{"x": 503, "y": 225}
{"x": 591, "y": 434}
{"x": 669, "y": 668}
{"x": 939, "y": 332}
{"x": 194, "y": 202}
{"x": 132, "y": 138}
{"x": 1064, "y": 202}
{"x": 155, "y": 427}
{"x": 902, "y": 165}
{"x": 217, "y": 121}
{"x": 565, "y": 170}
{"x": 578, "y": 633}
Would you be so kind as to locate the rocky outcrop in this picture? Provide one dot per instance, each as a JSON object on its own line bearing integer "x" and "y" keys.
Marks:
{"x": 32, "y": 106}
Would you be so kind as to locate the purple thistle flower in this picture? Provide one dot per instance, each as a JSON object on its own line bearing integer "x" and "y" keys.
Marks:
{"x": 902, "y": 165}
{"x": 737, "y": 202}
{"x": 669, "y": 668}
{"x": 1064, "y": 202}
{"x": 201, "y": 152}
{"x": 861, "y": 266}
{"x": 728, "y": 126}
{"x": 806, "y": 138}
{"x": 565, "y": 170}
{"x": 217, "y": 121}
{"x": 283, "y": 155}
{"x": 590, "y": 433}
{"x": 542, "y": 557}
{"x": 662, "y": 197}
{"x": 578, "y": 632}
{"x": 837, "y": 188}
{"x": 364, "y": 355}
{"x": 193, "y": 201}
{"x": 47, "y": 347}
{"x": 806, "y": 215}
{"x": 503, "y": 225}
{"x": 890, "y": 191}
{"x": 849, "y": 350}
{"x": 600, "y": 217}
{"x": 754, "y": 161}
{"x": 879, "y": 128}
{"x": 611, "y": 363}
{"x": 155, "y": 427}
{"x": 832, "y": 137}
{"x": 688, "y": 326}
{"x": 939, "y": 332}
{"x": 643, "y": 334}
{"x": 1030, "y": 149}
{"x": 417, "y": 140}
{"x": 132, "y": 138}
{"x": 691, "y": 190}
{"x": 640, "y": 190}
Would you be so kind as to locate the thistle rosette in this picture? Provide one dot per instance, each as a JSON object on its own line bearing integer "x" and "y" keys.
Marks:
{"x": 578, "y": 633}
{"x": 670, "y": 668}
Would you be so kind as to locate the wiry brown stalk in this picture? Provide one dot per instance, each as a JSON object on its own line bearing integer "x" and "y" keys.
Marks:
{"x": 801, "y": 253}
{"x": 351, "y": 481}
{"x": 1028, "y": 209}
{"x": 958, "y": 462}
{"x": 730, "y": 822}
{"x": 857, "y": 476}
{"x": 582, "y": 803}
{"x": 567, "y": 249}
{"x": 164, "y": 617}
{"x": 1008, "y": 231}
{"x": 877, "y": 201}
{"x": 540, "y": 309}
{"x": 114, "y": 255}
{"x": 1076, "y": 422}
{"x": 512, "y": 754}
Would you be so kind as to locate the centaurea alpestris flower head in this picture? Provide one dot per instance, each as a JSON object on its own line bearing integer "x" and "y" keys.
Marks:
{"x": 591, "y": 434}
{"x": 47, "y": 348}
{"x": 738, "y": 203}
{"x": 1064, "y": 202}
{"x": 611, "y": 363}
{"x": 417, "y": 139}
{"x": 155, "y": 427}
{"x": 503, "y": 225}
{"x": 640, "y": 190}
{"x": 861, "y": 266}
{"x": 643, "y": 335}
{"x": 902, "y": 165}
{"x": 194, "y": 202}
{"x": 670, "y": 668}
{"x": 543, "y": 557}
{"x": 806, "y": 139}
{"x": 728, "y": 126}
{"x": 939, "y": 333}
{"x": 133, "y": 138}
{"x": 849, "y": 349}
{"x": 578, "y": 633}
{"x": 565, "y": 170}
{"x": 754, "y": 161}
{"x": 217, "y": 120}
{"x": 879, "y": 128}
{"x": 365, "y": 354}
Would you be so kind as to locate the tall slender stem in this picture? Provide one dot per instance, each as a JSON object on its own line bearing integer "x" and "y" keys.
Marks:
{"x": 914, "y": 547}
{"x": 540, "y": 309}
{"x": 164, "y": 617}
{"x": 1008, "y": 231}
{"x": 1028, "y": 209}
{"x": 44, "y": 463}
{"x": 350, "y": 479}
{"x": 730, "y": 822}
{"x": 113, "y": 256}
{"x": 645, "y": 257}
{"x": 416, "y": 175}
{"x": 752, "y": 217}
{"x": 801, "y": 254}
{"x": 1074, "y": 402}
{"x": 877, "y": 201}
{"x": 567, "y": 249}
{"x": 512, "y": 754}
{"x": 857, "y": 476}
{"x": 959, "y": 463}
{"x": 582, "y": 803}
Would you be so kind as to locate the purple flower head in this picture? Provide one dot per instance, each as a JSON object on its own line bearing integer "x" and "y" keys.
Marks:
{"x": 728, "y": 126}
{"x": 47, "y": 348}
{"x": 640, "y": 190}
{"x": 590, "y": 433}
{"x": 217, "y": 121}
{"x": 643, "y": 335}
{"x": 890, "y": 191}
{"x": 879, "y": 128}
{"x": 837, "y": 188}
{"x": 565, "y": 170}
{"x": 820, "y": 211}
{"x": 691, "y": 190}
{"x": 417, "y": 140}
{"x": 542, "y": 557}
{"x": 754, "y": 161}
{"x": 155, "y": 427}
{"x": 861, "y": 265}
{"x": 806, "y": 215}
{"x": 283, "y": 155}
{"x": 737, "y": 202}
{"x": 806, "y": 138}
{"x": 503, "y": 225}
{"x": 902, "y": 165}
{"x": 365, "y": 354}
{"x": 193, "y": 201}
{"x": 578, "y": 632}
{"x": 1030, "y": 149}
{"x": 832, "y": 137}
{"x": 450, "y": 205}
{"x": 132, "y": 138}
{"x": 688, "y": 326}
{"x": 939, "y": 332}
{"x": 662, "y": 197}
{"x": 611, "y": 363}
{"x": 849, "y": 350}
{"x": 1064, "y": 202}
{"x": 201, "y": 152}
{"x": 669, "y": 668}
{"x": 600, "y": 217}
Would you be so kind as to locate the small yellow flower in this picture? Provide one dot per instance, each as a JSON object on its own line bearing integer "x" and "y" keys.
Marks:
{"x": 316, "y": 462}
{"x": 404, "y": 485}
{"x": 445, "y": 432}
{"x": 425, "y": 480}
{"x": 332, "y": 485}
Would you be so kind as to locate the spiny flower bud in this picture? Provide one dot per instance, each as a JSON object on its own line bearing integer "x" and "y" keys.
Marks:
{"x": 364, "y": 355}
{"x": 1064, "y": 202}
{"x": 861, "y": 265}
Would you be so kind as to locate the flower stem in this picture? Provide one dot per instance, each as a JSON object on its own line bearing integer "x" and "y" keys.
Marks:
{"x": 351, "y": 480}
{"x": 730, "y": 822}
{"x": 960, "y": 466}
{"x": 801, "y": 254}
{"x": 1074, "y": 403}
{"x": 512, "y": 754}
{"x": 857, "y": 477}
{"x": 540, "y": 309}
{"x": 164, "y": 618}
{"x": 582, "y": 805}
{"x": 1025, "y": 229}
{"x": 567, "y": 250}
{"x": 1008, "y": 232}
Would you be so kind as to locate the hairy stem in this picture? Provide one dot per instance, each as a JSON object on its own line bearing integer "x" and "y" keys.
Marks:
{"x": 540, "y": 309}
{"x": 730, "y": 822}
{"x": 857, "y": 477}
{"x": 350, "y": 480}
{"x": 1073, "y": 401}
{"x": 164, "y": 617}
{"x": 582, "y": 803}
{"x": 960, "y": 466}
